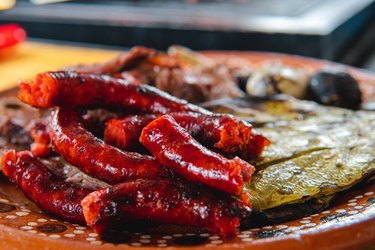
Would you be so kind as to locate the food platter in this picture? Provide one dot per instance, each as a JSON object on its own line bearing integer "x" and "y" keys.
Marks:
{"x": 348, "y": 223}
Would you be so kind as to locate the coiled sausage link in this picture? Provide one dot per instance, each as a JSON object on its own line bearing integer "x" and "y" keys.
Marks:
{"x": 100, "y": 160}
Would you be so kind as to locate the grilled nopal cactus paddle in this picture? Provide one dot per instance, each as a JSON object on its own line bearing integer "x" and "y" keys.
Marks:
{"x": 312, "y": 175}
{"x": 315, "y": 152}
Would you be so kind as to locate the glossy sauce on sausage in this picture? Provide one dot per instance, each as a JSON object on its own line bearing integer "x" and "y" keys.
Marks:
{"x": 84, "y": 90}
{"x": 226, "y": 134}
{"x": 175, "y": 148}
{"x": 38, "y": 183}
{"x": 100, "y": 160}
{"x": 166, "y": 201}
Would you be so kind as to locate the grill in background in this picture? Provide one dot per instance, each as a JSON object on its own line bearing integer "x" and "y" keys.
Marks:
{"x": 331, "y": 29}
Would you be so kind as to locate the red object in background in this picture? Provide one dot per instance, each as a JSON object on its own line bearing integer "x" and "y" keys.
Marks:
{"x": 11, "y": 34}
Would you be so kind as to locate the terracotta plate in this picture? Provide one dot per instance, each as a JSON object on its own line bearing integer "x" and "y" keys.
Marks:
{"x": 348, "y": 223}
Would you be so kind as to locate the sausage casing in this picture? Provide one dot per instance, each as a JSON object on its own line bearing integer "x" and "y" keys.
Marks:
{"x": 49, "y": 192}
{"x": 166, "y": 201}
{"x": 100, "y": 160}
{"x": 83, "y": 90}
{"x": 223, "y": 133}
{"x": 174, "y": 147}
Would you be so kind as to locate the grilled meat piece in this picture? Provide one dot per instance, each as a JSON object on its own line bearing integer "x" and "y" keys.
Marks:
{"x": 80, "y": 90}
{"x": 48, "y": 191}
{"x": 166, "y": 201}
{"x": 174, "y": 147}
{"x": 226, "y": 134}
{"x": 96, "y": 158}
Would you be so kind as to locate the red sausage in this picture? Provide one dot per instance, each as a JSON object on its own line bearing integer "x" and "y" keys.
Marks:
{"x": 174, "y": 147}
{"x": 166, "y": 201}
{"x": 83, "y": 90}
{"x": 38, "y": 183}
{"x": 226, "y": 133}
{"x": 124, "y": 132}
{"x": 100, "y": 160}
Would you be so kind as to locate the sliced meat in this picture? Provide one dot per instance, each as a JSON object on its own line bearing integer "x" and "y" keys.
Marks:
{"x": 122, "y": 62}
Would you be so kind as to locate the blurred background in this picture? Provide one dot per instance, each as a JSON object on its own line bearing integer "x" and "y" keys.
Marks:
{"x": 342, "y": 31}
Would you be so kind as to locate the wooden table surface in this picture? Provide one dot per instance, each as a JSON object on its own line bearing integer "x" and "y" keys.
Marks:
{"x": 30, "y": 58}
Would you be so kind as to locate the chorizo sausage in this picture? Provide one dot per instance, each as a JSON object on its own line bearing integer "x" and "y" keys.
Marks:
{"x": 83, "y": 90}
{"x": 49, "y": 192}
{"x": 94, "y": 157}
{"x": 166, "y": 201}
{"x": 224, "y": 133}
{"x": 174, "y": 147}
{"x": 124, "y": 132}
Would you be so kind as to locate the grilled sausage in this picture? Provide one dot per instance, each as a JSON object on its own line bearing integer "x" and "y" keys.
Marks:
{"x": 224, "y": 133}
{"x": 166, "y": 201}
{"x": 83, "y": 90}
{"x": 100, "y": 160}
{"x": 38, "y": 183}
{"x": 174, "y": 147}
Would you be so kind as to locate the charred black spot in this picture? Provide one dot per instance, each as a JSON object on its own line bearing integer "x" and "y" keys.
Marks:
{"x": 142, "y": 89}
{"x": 258, "y": 124}
{"x": 6, "y": 208}
{"x": 116, "y": 237}
{"x": 240, "y": 211}
{"x": 371, "y": 200}
{"x": 190, "y": 240}
{"x": 81, "y": 80}
{"x": 340, "y": 165}
{"x": 137, "y": 226}
{"x": 268, "y": 234}
{"x": 12, "y": 106}
{"x": 52, "y": 228}
{"x": 109, "y": 190}
{"x": 110, "y": 209}
{"x": 332, "y": 217}
{"x": 241, "y": 81}
{"x": 128, "y": 199}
